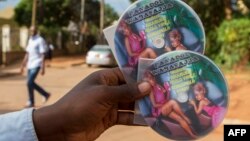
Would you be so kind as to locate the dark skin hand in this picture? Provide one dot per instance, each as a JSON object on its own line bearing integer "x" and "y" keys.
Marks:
{"x": 101, "y": 100}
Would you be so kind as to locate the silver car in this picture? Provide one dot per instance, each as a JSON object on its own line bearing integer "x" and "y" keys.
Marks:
{"x": 100, "y": 55}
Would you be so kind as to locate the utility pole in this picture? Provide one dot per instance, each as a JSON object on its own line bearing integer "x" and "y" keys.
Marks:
{"x": 33, "y": 21}
{"x": 102, "y": 4}
{"x": 82, "y": 10}
{"x": 82, "y": 24}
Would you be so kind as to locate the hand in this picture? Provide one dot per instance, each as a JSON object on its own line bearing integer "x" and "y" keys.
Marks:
{"x": 192, "y": 102}
{"x": 142, "y": 35}
{"x": 168, "y": 49}
{"x": 166, "y": 86}
{"x": 90, "y": 108}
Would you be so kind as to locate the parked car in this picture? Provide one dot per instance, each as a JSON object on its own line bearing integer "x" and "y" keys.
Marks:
{"x": 100, "y": 55}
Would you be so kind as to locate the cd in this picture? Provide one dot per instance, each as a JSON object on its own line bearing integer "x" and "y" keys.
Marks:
{"x": 149, "y": 28}
{"x": 189, "y": 96}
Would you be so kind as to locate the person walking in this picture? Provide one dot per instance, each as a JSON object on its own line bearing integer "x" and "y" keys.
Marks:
{"x": 34, "y": 60}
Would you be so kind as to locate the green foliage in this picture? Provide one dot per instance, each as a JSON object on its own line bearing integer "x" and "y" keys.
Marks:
{"x": 233, "y": 37}
{"x": 49, "y": 13}
{"x": 212, "y": 15}
{"x": 53, "y": 15}
{"x": 23, "y": 12}
{"x": 58, "y": 13}
{"x": 48, "y": 33}
{"x": 109, "y": 16}
{"x": 211, "y": 12}
{"x": 212, "y": 48}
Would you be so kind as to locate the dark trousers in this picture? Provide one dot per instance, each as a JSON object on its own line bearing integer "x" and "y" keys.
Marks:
{"x": 32, "y": 74}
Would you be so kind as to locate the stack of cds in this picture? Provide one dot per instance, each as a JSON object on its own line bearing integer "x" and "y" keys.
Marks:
{"x": 163, "y": 42}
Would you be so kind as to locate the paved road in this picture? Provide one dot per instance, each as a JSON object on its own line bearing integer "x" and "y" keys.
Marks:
{"x": 58, "y": 80}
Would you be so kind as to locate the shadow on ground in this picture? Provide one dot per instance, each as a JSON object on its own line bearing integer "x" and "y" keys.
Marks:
{"x": 11, "y": 75}
{"x": 2, "y": 111}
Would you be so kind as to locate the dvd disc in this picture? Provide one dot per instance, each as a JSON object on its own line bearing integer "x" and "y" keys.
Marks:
{"x": 189, "y": 96}
{"x": 149, "y": 28}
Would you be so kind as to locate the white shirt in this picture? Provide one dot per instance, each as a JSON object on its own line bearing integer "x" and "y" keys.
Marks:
{"x": 17, "y": 126}
{"x": 35, "y": 49}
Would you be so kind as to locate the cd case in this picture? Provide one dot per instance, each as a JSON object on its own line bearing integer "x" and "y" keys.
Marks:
{"x": 149, "y": 28}
{"x": 162, "y": 42}
{"x": 189, "y": 96}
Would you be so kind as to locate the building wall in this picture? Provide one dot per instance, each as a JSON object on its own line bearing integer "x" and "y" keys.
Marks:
{"x": 14, "y": 56}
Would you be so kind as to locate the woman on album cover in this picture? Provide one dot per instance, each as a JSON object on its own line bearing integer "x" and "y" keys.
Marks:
{"x": 135, "y": 45}
{"x": 163, "y": 106}
{"x": 202, "y": 103}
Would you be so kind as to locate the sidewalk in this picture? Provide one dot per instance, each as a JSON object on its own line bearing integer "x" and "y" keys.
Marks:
{"x": 57, "y": 62}
{"x": 68, "y": 61}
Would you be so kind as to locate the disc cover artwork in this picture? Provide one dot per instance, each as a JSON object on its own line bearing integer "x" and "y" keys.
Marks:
{"x": 189, "y": 96}
{"x": 150, "y": 28}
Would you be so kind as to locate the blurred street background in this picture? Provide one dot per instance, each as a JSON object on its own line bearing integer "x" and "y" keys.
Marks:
{"x": 73, "y": 27}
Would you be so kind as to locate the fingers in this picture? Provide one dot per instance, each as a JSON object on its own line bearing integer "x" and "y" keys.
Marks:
{"x": 112, "y": 77}
{"x": 128, "y": 92}
{"x": 125, "y": 118}
{"x": 111, "y": 84}
{"x": 120, "y": 78}
{"x": 109, "y": 77}
{"x": 126, "y": 106}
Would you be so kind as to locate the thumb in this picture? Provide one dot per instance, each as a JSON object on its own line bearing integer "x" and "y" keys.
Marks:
{"x": 128, "y": 92}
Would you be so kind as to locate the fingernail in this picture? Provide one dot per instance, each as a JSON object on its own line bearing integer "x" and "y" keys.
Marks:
{"x": 144, "y": 87}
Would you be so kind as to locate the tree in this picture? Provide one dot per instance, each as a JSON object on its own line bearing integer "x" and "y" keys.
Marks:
{"x": 58, "y": 13}
{"x": 212, "y": 14}
{"x": 92, "y": 16}
{"x": 52, "y": 15}
{"x": 54, "y": 12}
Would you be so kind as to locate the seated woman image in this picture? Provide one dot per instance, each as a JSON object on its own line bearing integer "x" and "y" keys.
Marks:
{"x": 135, "y": 45}
{"x": 163, "y": 106}
{"x": 202, "y": 103}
